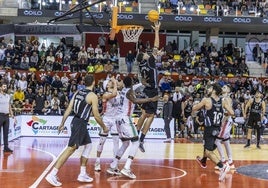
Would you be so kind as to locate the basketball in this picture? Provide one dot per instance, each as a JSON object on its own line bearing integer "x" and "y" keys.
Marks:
{"x": 153, "y": 16}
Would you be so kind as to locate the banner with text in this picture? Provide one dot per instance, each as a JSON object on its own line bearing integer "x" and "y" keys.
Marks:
{"x": 48, "y": 126}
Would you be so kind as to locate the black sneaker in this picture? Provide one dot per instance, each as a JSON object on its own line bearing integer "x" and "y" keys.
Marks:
{"x": 8, "y": 150}
{"x": 258, "y": 147}
{"x": 247, "y": 146}
{"x": 141, "y": 147}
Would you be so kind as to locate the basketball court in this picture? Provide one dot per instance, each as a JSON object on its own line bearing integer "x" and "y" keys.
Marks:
{"x": 163, "y": 165}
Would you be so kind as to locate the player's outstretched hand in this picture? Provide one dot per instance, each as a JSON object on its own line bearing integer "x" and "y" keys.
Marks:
{"x": 156, "y": 26}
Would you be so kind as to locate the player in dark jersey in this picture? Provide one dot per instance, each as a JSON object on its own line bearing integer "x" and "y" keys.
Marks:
{"x": 256, "y": 108}
{"x": 83, "y": 102}
{"x": 213, "y": 112}
{"x": 149, "y": 80}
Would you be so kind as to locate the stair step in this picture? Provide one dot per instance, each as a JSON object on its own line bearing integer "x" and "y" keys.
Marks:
{"x": 255, "y": 69}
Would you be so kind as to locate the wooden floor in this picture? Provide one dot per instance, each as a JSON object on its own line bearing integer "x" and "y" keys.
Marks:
{"x": 163, "y": 165}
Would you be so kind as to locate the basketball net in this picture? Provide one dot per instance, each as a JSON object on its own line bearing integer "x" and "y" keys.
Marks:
{"x": 131, "y": 33}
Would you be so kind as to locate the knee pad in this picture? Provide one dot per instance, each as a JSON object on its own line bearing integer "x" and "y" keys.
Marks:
{"x": 87, "y": 150}
{"x": 101, "y": 143}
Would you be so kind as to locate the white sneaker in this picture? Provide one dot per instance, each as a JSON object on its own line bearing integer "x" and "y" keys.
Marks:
{"x": 223, "y": 171}
{"x": 53, "y": 180}
{"x": 84, "y": 178}
{"x": 128, "y": 173}
{"x": 97, "y": 167}
{"x": 168, "y": 140}
{"x": 113, "y": 171}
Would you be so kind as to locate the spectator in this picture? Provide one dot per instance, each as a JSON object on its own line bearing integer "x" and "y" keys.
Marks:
{"x": 29, "y": 95}
{"x": 39, "y": 102}
{"x": 17, "y": 107}
{"x": 98, "y": 67}
{"x": 19, "y": 95}
{"x": 22, "y": 83}
{"x": 102, "y": 42}
{"x": 27, "y": 107}
{"x": 90, "y": 68}
{"x": 56, "y": 83}
{"x": 55, "y": 109}
{"x": 108, "y": 67}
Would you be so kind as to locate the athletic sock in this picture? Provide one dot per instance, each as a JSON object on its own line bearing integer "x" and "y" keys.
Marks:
{"x": 114, "y": 163}
{"x": 128, "y": 163}
{"x": 54, "y": 171}
{"x": 142, "y": 137}
{"x": 83, "y": 170}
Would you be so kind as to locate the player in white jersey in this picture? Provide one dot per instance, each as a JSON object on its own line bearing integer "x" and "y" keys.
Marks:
{"x": 110, "y": 101}
{"x": 225, "y": 131}
{"x": 126, "y": 129}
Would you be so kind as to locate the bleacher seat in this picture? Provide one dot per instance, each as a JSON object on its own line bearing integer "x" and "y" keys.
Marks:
{"x": 128, "y": 9}
{"x": 168, "y": 10}
{"x": 176, "y": 57}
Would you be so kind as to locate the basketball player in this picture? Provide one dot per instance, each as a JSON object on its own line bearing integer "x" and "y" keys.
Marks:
{"x": 256, "y": 108}
{"x": 110, "y": 101}
{"x": 149, "y": 80}
{"x": 126, "y": 129}
{"x": 225, "y": 132}
{"x": 213, "y": 113}
{"x": 83, "y": 102}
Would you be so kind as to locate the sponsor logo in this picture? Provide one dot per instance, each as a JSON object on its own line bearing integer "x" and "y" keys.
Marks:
{"x": 212, "y": 19}
{"x": 57, "y": 14}
{"x": 125, "y": 17}
{"x": 265, "y": 21}
{"x": 160, "y": 17}
{"x": 39, "y": 125}
{"x": 32, "y": 12}
{"x": 97, "y": 15}
{"x": 242, "y": 20}
{"x": 183, "y": 18}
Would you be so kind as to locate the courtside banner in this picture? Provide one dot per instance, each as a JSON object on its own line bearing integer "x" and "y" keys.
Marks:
{"x": 48, "y": 126}
{"x": 14, "y": 130}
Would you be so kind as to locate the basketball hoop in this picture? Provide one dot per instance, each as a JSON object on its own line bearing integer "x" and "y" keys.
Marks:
{"x": 131, "y": 33}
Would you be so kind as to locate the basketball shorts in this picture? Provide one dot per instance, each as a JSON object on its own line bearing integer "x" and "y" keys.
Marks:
{"x": 126, "y": 128}
{"x": 110, "y": 123}
{"x": 150, "y": 107}
{"x": 79, "y": 133}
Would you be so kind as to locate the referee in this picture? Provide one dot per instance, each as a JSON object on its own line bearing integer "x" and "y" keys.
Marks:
{"x": 5, "y": 112}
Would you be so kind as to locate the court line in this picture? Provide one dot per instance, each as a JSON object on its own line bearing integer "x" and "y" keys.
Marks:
{"x": 44, "y": 173}
{"x": 158, "y": 179}
{"x": 12, "y": 171}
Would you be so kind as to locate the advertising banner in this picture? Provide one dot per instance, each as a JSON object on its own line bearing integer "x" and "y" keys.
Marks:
{"x": 48, "y": 126}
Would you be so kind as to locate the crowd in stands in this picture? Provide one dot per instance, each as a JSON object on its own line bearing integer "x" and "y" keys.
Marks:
{"x": 31, "y": 55}
{"x": 201, "y": 61}
{"x": 217, "y": 8}
{"x": 201, "y": 7}
{"x": 187, "y": 71}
